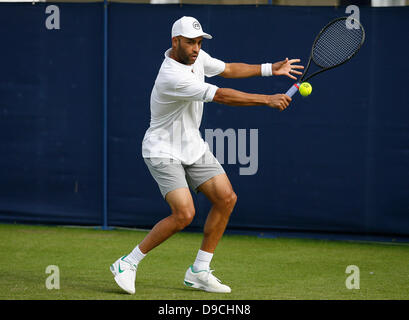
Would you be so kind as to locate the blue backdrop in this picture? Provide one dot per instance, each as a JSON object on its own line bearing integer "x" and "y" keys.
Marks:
{"x": 336, "y": 161}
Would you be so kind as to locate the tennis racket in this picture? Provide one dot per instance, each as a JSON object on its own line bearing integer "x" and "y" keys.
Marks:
{"x": 336, "y": 44}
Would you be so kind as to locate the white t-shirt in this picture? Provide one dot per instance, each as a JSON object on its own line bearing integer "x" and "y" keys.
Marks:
{"x": 177, "y": 108}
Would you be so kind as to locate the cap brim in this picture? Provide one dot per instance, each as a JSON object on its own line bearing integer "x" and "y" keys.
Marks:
{"x": 207, "y": 36}
{"x": 199, "y": 34}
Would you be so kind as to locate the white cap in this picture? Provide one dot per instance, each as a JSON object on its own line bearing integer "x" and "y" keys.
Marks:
{"x": 188, "y": 27}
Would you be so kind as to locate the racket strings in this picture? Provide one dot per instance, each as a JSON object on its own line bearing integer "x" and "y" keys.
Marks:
{"x": 336, "y": 44}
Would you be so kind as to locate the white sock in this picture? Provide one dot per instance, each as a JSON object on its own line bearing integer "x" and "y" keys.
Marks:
{"x": 202, "y": 261}
{"x": 135, "y": 256}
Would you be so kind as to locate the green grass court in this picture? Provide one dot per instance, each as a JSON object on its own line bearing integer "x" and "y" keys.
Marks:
{"x": 255, "y": 268}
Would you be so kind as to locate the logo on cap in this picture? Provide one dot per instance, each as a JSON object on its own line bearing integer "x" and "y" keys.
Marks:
{"x": 196, "y": 25}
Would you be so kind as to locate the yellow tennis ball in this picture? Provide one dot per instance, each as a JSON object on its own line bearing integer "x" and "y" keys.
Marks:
{"x": 305, "y": 89}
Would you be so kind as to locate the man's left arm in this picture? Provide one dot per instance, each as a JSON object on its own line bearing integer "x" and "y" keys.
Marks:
{"x": 243, "y": 70}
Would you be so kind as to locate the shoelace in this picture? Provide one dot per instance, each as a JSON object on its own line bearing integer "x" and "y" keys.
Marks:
{"x": 129, "y": 265}
{"x": 209, "y": 273}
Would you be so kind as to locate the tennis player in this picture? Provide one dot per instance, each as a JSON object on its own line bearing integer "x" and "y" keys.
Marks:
{"x": 177, "y": 156}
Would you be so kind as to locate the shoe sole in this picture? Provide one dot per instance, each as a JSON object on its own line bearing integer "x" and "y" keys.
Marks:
{"x": 198, "y": 286}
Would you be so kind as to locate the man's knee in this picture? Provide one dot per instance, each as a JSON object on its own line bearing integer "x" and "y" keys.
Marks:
{"x": 232, "y": 199}
{"x": 228, "y": 200}
{"x": 183, "y": 216}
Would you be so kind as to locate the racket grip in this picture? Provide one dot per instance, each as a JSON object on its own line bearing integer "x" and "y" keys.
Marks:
{"x": 293, "y": 89}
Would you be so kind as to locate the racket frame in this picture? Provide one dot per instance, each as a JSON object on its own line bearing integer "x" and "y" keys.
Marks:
{"x": 292, "y": 90}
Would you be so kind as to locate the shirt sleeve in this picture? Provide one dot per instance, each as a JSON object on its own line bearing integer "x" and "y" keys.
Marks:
{"x": 212, "y": 66}
{"x": 191, "y": 89}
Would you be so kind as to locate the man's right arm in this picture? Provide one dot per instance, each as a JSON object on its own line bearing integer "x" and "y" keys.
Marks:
{"x": 233, "y": 97}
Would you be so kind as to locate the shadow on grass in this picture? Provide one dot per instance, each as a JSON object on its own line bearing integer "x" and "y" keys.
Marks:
{"x": 142, "y": 290}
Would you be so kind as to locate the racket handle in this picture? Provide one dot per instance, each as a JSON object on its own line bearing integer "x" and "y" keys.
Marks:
{"x": 293, "y": 89}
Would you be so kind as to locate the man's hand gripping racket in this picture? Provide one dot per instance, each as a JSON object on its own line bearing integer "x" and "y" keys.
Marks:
{"x": 336, "y": 44}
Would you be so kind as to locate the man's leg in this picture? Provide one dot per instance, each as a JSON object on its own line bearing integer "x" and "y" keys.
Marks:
{"x": 183, "y": 211}
{"x": 220, "y": 193}
{"x": 171, "y": 179}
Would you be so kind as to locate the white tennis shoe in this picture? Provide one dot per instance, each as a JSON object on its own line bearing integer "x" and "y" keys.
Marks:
{"x": 204, "y": 280}
{"x": 124, "y": 274}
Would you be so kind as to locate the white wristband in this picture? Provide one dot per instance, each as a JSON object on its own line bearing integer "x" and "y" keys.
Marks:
{"x": 266, "y": 70}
